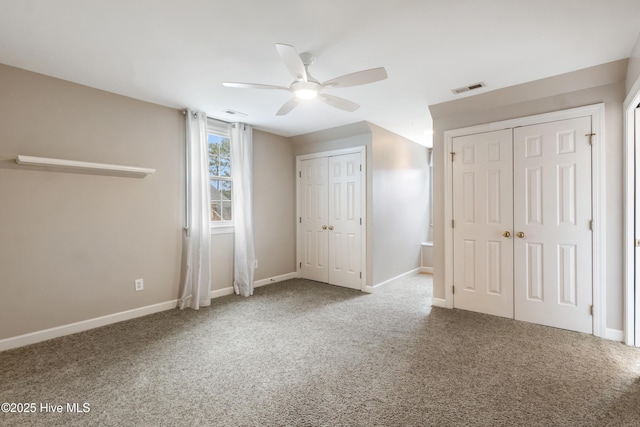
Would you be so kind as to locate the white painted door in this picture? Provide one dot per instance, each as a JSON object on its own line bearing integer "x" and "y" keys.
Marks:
{"x": 345, "y": 214}
{"x": 483, "y": 218}
{"x": 330, "y": 206}
{"x": 313, "y": 209}
{"x": 552, "y": 215}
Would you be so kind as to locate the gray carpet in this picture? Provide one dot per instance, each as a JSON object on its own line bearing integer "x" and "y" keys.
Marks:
{"x": 300, "y": 353}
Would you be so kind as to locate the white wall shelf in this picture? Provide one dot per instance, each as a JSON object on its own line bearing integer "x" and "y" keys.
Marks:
{"x": 107, "y": 169}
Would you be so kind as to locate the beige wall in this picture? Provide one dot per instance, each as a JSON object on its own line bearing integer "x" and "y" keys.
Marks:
{"x": 274, "y": 214}
{"x": 603, "y": 83}
{"x": 274, "y": 188}
{"x": 400, "y": 203}
{"x": 396, "y": 194}
{"x": 72, "y": 244}
{"x": 633, "y": 71}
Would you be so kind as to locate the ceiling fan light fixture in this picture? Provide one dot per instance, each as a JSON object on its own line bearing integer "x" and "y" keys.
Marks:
{"x": 306, "y": 93}
{"x": 305, "y": 90}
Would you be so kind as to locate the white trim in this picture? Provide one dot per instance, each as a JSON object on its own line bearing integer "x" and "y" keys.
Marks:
{"x": 599, "y": 203}
{"x": 596, "y": 112}
{"x": 363, "y": 161}
{"x": 438, "y": 302}
{"x": 331, "y": 153}
{"x": 221, "y": 292}
{"x": 222, "y": 229}
{"x": 413, "y": 272}
{"x": 448, "y": 218}
{"x": 426, "y": 270}
{"x": 631, "y": 329}
{"x": 275, "y": 279}
{"x": 219, "y": 127}
{"x": 229, "y": 290}
{"x": 85, "y": 325}
{"x": 614, "y": 335}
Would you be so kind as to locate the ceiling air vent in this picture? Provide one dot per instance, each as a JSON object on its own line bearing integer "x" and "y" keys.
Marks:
{"x": 468, "y": 88}
{"x": 235, "y": 113}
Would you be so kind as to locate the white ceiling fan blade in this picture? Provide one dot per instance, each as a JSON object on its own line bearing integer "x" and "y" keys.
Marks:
{"x": 292, "y": 60}
{"x": 288, "y": 106}
{"x": 357, "y": 78}
{"x": 340, "y": 103}
{"x": 253, "y": 86}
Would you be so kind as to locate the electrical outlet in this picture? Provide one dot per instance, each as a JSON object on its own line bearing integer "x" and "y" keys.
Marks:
{"x": 139, "y": 283}
{"x": 255, "y": 264}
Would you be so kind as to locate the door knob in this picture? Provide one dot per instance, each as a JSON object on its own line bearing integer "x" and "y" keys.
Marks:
{"x": 324, "y": 227}
{"x": 331, "y": 227}
{"x": 520, "y": 234}
{"x": 506, "y": 234}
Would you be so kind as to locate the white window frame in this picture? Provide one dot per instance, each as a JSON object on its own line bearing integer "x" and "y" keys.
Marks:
{"x": 221, "y": 128}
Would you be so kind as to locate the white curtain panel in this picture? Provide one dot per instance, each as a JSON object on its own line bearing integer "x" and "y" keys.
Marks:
{"x": 242, "y": 200}
{"x": 196, "y": 269}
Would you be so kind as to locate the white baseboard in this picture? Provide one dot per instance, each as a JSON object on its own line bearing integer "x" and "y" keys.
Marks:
{"x": 400, "y": 276}
{"x": 427, "y": 270}
{"x": 85, "y": 325}
{"x": 438, "y": 302}
{"x": 368, "y": 289}
{"x": 229, "y": 290}
{"x": 221, "y": 292}
{"x": 614, "y": 335}
{"x": 275, "y": 279}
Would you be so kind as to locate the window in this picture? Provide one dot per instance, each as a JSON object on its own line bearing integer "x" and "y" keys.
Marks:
{"x": 220, "y": 173}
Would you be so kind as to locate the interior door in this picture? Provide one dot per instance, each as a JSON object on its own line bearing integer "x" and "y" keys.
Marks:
{"x": 345, "y": 221}
{"x": 483, "y": 218}
{"x": 314, "y": 212}
{"x": 552, "y": 224}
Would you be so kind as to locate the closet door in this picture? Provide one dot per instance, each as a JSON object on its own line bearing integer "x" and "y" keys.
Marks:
{"x": 313, "y": 207}
{"x": 483, "y": 219}
{"x": 345, "y": 214}
{"x": 552, "y": 215}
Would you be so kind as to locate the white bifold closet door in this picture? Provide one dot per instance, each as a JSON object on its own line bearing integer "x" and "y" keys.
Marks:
{"x": 331, "y": 220}
{"x": 522, "y": 231}
{"x": 483, "y": 212}
{"x": 552, "y": 210}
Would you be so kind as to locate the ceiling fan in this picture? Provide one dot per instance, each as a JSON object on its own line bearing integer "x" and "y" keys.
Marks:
{"x": 306, "y": 87}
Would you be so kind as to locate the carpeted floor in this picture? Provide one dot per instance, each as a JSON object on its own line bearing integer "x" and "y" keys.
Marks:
{"x": 300, "y": 353}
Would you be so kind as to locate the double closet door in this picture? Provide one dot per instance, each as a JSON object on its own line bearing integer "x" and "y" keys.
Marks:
{"x": 522, "y": 223}
{"x": 330, "y": 219}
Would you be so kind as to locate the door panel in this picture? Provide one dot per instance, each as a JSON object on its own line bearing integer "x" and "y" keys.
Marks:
{"x": 483, "y": 211}
{"x": 314, "y": 213}
{"x": 552, "y": 210}
{"x": 345, "y": 238}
